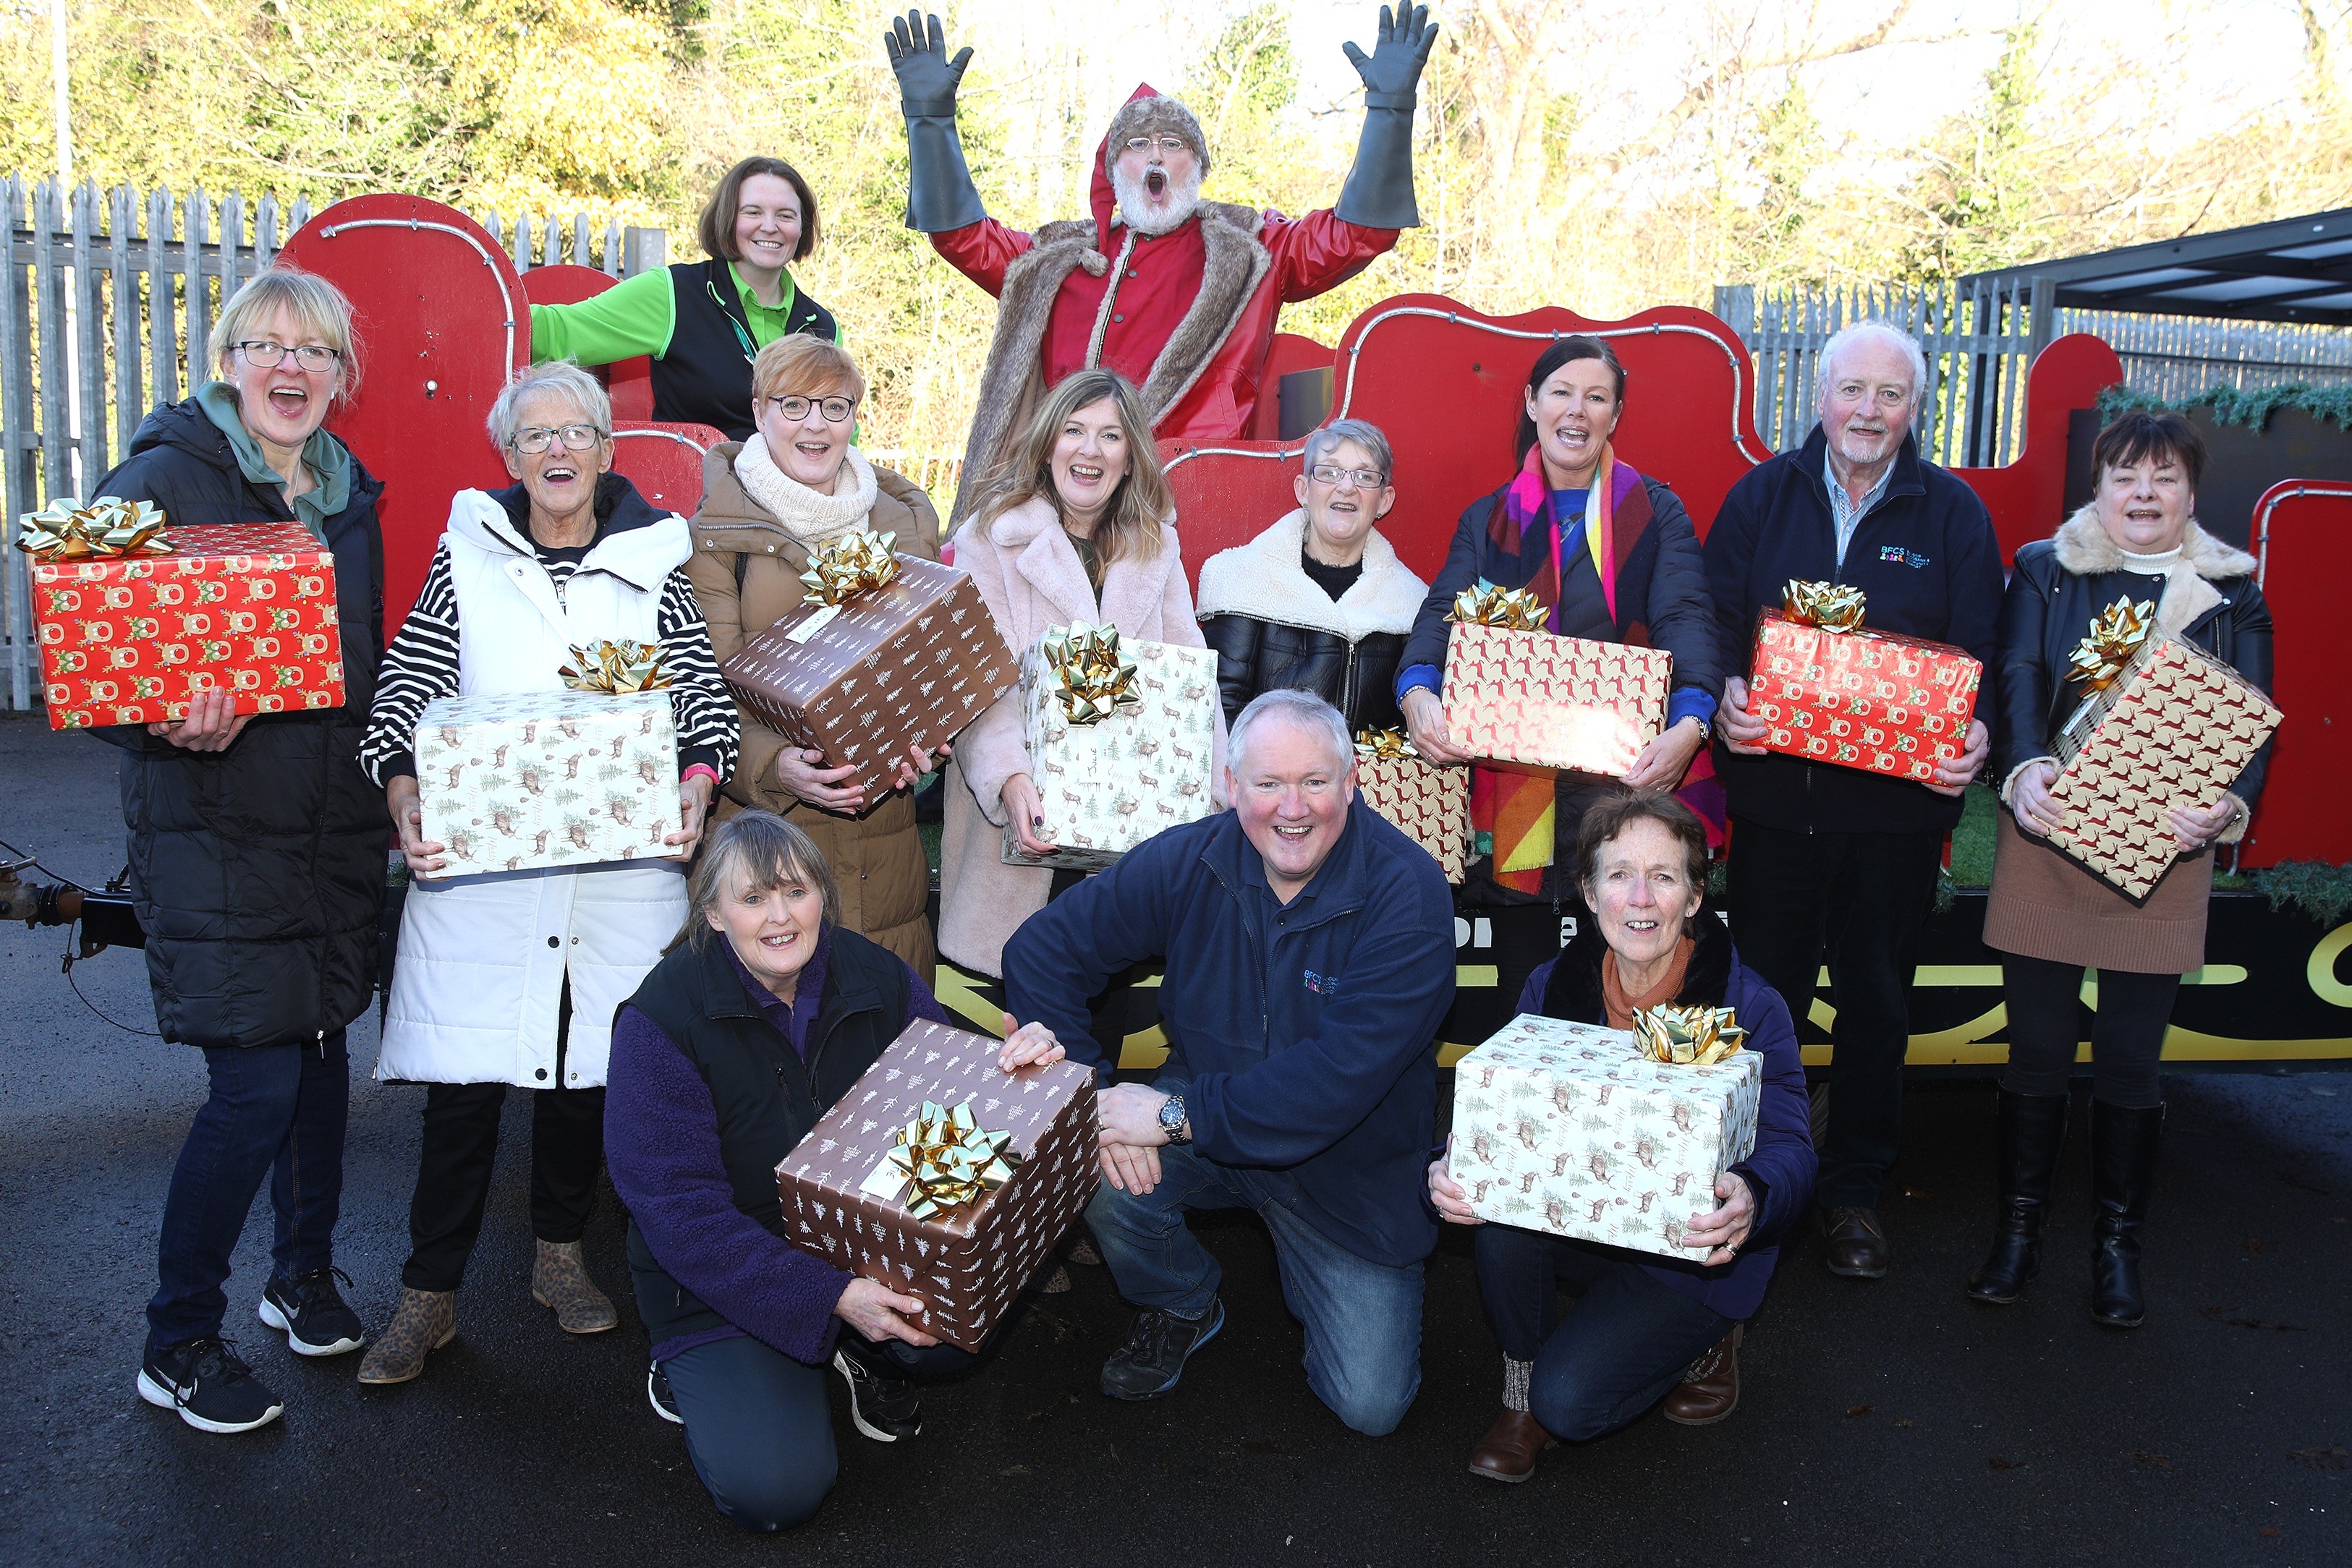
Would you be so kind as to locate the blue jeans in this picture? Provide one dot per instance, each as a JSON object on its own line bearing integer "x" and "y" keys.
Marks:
{"x": 1625, "y": 1343}
{"x": 277, "y": 1111}
{"x": 760, "y": 1430}
{"x": 1363, "y": 1319}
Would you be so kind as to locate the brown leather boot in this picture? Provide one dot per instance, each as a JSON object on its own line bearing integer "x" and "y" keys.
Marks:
{"x": 1507, "y": 1452}
{"x": 1857, "y": 1243}
{"x": 1710, "y": 1390}
{"x": 423, "y": 1322}
{"x": 559, "y": 1278}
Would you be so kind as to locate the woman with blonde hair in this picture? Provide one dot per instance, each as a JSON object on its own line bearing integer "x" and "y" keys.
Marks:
{"x": 768, "y": 503}
{"x": 1076, "y": 524}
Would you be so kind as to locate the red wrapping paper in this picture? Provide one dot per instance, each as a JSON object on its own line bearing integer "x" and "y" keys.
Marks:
{"x": 249, "y": 608}
{"x": 1872, "y": 700}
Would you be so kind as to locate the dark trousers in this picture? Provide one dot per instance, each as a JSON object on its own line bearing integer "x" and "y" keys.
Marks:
{"x": 760, "y": 1430}
{"x": 1625, "y": 1343}
{"x": 2045, "y": 1027}
{"x": 1857, "y": 902}
{"x": 1107, "y": 1009}
{"x": 278, "y": 1111}
{"x": 452, "y": 1173}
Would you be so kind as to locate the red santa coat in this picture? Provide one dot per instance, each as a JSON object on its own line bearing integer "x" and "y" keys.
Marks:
{"x": 1189, "y": 317}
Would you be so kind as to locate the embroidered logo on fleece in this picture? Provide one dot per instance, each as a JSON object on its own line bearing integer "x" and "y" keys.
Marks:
{"x": 1322, "y": 985}
{"x": 1896, "y": 555}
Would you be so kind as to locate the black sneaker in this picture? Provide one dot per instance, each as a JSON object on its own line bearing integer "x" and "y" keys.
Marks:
{"x": 884, "y": 1408}
{"x": 211, "y": 1389}
{"x": 658, "y": 1395}
{"x": 310, "y": 1312}
{"x": 1157, "y": 1347}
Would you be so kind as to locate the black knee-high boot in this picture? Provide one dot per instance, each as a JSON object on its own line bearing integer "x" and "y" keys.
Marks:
{"x": 2122, "y": 1168}
{"x": 2032, "y": 1130}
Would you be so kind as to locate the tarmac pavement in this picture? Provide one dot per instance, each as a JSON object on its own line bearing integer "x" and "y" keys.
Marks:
{"x": 1882, "y": 1423}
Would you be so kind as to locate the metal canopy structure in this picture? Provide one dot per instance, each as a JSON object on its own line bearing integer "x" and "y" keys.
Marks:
{"x": 2295, "y": 269}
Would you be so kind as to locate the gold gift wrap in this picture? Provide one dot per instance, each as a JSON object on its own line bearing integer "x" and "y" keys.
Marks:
{"x": 1088, "y": 676}
{"x": 615, "y": 668}
{"x": 949, "y": 1161}
{"x": 1831, "y": 606}
{"x": 857, "y": 562}
{"x": 109, "y": 528}
{"x": 1687, "y": 1036}
{"x": 2115, "y": 635}
{"x": 1385, "y": 744}
{"x": 1487, "y": 605}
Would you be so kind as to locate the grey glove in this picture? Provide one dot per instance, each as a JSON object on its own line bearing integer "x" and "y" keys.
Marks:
{"x": 939, "y": 193}
{"x": 1378, "y": 192}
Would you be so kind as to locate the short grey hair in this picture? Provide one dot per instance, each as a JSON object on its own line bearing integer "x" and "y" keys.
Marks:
{"x": 1322, "y": 443}
{"x": 1844, "y": 338}
{"x": 1304, "y": 710}
{"x": 555, "y": 376}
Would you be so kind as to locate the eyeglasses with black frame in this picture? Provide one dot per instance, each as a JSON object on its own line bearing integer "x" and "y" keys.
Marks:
{"x": 1165, "y": 143}
{"x": 266, "y": 355}
{"x": 1365, "y": 478}
{"x": 795, "y": 407}
{"x": 534, "y": 439}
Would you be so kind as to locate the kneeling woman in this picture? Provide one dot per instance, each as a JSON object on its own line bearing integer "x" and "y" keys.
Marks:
{"x": 762, "y": 1013}
{"x": 1642, "y": 1329}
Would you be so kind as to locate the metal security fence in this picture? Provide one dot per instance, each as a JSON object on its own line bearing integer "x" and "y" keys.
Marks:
{"x": 107, "y": 304}
{"x": 2179, "y": 358}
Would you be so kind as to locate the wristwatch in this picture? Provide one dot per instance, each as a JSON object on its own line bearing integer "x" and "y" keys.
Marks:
{"x": 1174, "y": 1122}
{"x": 1706, "y": 728}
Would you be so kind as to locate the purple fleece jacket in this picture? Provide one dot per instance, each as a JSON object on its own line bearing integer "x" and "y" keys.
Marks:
{"x": 661, "y": 1143}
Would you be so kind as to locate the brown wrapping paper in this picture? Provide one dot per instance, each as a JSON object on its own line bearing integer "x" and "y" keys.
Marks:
{"x": 844, "y": 1203}
{"x": 906, "y": 665}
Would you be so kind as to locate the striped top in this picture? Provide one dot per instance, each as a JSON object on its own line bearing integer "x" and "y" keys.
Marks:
{"x": 421, "y": 665}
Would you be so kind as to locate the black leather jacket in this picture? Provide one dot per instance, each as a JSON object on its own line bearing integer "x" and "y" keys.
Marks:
{"x": 1255, "y": 655}
{"x": 2045, "y": 614}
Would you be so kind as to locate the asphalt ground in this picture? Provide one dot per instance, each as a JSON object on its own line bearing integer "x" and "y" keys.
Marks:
{"x": 1881, "y": 1423}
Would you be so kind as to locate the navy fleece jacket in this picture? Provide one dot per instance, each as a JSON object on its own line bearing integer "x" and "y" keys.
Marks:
{"x": 1305, "y": 1032}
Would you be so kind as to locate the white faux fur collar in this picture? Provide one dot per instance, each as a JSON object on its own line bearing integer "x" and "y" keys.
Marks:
{"x": 1265, "y": 581}
{"x": 2085, "y": 550}
{"x": 808, "y": 514}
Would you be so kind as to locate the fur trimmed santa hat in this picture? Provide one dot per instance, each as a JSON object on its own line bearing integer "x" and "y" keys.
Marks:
{"x": 1152, "y": 113}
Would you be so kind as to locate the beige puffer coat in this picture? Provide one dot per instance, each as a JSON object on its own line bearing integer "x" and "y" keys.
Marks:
{"x": 877, "y": 858}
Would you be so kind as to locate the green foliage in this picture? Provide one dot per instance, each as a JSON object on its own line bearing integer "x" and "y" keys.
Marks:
{"x": 1972, "y": 839}
{"x": 2315, "y": 888}
{"x": 1978, "y": 193}
{"x": 2229, "y": 406}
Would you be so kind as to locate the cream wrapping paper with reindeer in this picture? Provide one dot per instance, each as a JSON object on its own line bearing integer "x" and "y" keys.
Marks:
{"x": 1126, "y": 765}
{"x": 1569, "y": 1128}
{"x": 528, "y": 779}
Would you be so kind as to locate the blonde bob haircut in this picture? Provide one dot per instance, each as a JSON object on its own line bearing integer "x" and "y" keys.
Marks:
{"x": 1139, "y": 507}
{"x": 321, "y": 315}
{"x": 798, "y": 365}
{"x": 766, "y": 853}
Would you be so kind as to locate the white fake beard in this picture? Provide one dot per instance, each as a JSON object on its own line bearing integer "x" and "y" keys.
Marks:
{"x": 1135, "y": 202}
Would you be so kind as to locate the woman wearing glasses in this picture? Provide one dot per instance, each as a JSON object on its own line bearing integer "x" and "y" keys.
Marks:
{"x": 768, "y": 503}
{"x": 256, "y": 858}
{"x": 1319, "y": 602}
{"x": 704, "y": 322}
{"x": 512, "y": 978}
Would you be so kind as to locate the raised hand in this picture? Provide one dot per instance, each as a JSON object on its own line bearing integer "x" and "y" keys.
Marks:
{"x": 1400, "y": 51}
{"x": 918, "y": 57}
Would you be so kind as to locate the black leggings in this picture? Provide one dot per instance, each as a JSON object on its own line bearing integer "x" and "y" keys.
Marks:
{"x": 2045, "y": 1029}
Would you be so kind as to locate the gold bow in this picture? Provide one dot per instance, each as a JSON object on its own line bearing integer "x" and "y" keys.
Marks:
{"x": 1087, "y": 675}
{"x": 1831, "y": 606}
{"x": 849, "y": 566}
{"x": 948, "y": 1161}
{"x": 1687, "y": 1036}
{"x": 1389, "y": 744}
{"x": 2114, "y": 636}
{"x": 618, "y": 668}
{"x": 1515, "y": 609}
{"x": 109, "y": 527}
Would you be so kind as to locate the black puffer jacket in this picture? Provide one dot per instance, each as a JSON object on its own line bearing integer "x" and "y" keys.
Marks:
{"x": 1273, "y": 626}
{"x": 2059, "y": 585}
{"x": 258, "y": 871}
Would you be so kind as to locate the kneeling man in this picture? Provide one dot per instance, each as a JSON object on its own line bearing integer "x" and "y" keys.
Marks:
{"x": 1308, "y": 948}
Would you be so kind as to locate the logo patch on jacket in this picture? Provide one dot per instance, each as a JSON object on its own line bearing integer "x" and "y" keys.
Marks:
{"x": 1896, "y": 555}
{"x": 1322, "y": 985}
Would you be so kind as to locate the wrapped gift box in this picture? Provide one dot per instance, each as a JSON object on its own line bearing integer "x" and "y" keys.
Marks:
{"x": 1553, "y": 701}
{"x": 905, "y": 665}
{"x": 1431, "y": 804}
{"x": 249, "y": 608}
{"x": 1107, "y": 787}
{"x": 1568, "y": 1128}
{"x": 844, "y": 1201}
{"x": 1872, "y": 700}
{"x": 2175, "y": 728}
{"x": 526, "y": 779}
